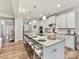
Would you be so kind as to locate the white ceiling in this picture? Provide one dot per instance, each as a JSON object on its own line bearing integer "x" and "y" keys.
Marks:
{"x": 44, "y": 7}
{"x": 6, "y": 8}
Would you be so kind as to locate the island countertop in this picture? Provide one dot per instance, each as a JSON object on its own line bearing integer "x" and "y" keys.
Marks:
{"x": 47, "y": 41}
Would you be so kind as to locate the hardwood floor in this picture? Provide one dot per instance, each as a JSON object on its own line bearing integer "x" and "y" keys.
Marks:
{"x": 77, "y": 46}
{"x": 14, "y": 51}
{"x": 17, "y": 51}
{"x": 71, "y": 54}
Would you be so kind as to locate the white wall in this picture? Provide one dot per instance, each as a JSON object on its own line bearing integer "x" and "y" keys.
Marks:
{"x": 15, "y": 6}
{"x": 6, "y": 9}
{"x": 18, "y": 29}
{"x": 0, "y": 29}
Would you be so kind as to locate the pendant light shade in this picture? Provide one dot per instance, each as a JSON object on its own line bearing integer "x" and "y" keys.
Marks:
{"x": 30, "y": 23}
{"x": 34, "y": 21}
{"x": 44, "y": 18}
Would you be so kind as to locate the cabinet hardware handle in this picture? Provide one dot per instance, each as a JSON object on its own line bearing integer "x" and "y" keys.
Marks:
{"x": 54, "y": 50}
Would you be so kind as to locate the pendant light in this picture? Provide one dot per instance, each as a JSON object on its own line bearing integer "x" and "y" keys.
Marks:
{"x": 30, "y": 23}
{"x": 34, "y": 21}
{"x": 44, "y": 18}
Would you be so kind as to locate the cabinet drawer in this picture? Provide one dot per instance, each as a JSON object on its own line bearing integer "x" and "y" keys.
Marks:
{"x": 70, "y": 42}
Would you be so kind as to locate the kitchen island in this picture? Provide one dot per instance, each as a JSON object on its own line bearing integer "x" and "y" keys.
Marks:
{"x": 44, "y": 47}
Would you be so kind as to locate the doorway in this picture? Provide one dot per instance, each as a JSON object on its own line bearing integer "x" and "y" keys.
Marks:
{"x": 7, "y": 31}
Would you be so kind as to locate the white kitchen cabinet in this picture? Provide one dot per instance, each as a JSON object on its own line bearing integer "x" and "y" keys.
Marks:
{"x": 58, "y": 20}
{"x": 70, "y": 41}
{"x": 71, "y": 18}
{"x": 66, "y": 20}
{"x": 61, "y": 21}
{"x": 51, "y": 19}
{"x": 54, "y": 51}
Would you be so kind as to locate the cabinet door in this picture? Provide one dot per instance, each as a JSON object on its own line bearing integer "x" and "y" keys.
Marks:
{"x": 55, "y": 51}
{"x": 70, "y": 42}
{"x": 52, "y": 19}
{"x": 58, "y": 20}
{"x": 71, "y": 20}
{"x": 61, "y": 21}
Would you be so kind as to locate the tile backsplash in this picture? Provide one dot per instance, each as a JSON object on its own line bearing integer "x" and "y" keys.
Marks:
{"x": 65, "y": 31}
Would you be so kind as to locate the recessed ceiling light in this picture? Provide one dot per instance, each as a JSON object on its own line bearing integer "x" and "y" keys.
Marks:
{"x": 34, "y": 21}
{"x": 58, "y": 5}
{"x": 23, "y": 10}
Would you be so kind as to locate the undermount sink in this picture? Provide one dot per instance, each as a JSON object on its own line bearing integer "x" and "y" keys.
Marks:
{"x": 42, "y": 40}
{"x": 34, "y": 36}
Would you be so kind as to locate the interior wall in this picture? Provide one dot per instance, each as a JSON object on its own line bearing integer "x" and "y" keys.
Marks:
{"x": 18, "y": 29}
{"x": 15, "y": 6}
{"x": 26, "y": 25}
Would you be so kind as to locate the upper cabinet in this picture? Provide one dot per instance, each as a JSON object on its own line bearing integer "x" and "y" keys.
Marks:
{"x": 52, "y": 20}
{"x": 66, "y": 20}
{"x": 71, "y": 20}
{"x": 61, "y": 21}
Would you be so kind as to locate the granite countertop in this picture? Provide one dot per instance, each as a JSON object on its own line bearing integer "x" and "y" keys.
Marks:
{"x": 45, "y": 43}
{"x": 49, "y": 42}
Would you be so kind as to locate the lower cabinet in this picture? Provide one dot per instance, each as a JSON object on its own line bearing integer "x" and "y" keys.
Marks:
{"x": 54, "y": 51}
{"x": 36, "y": 56}
{"x": 31, "y": 53}
{"x": 70, "y": 42}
